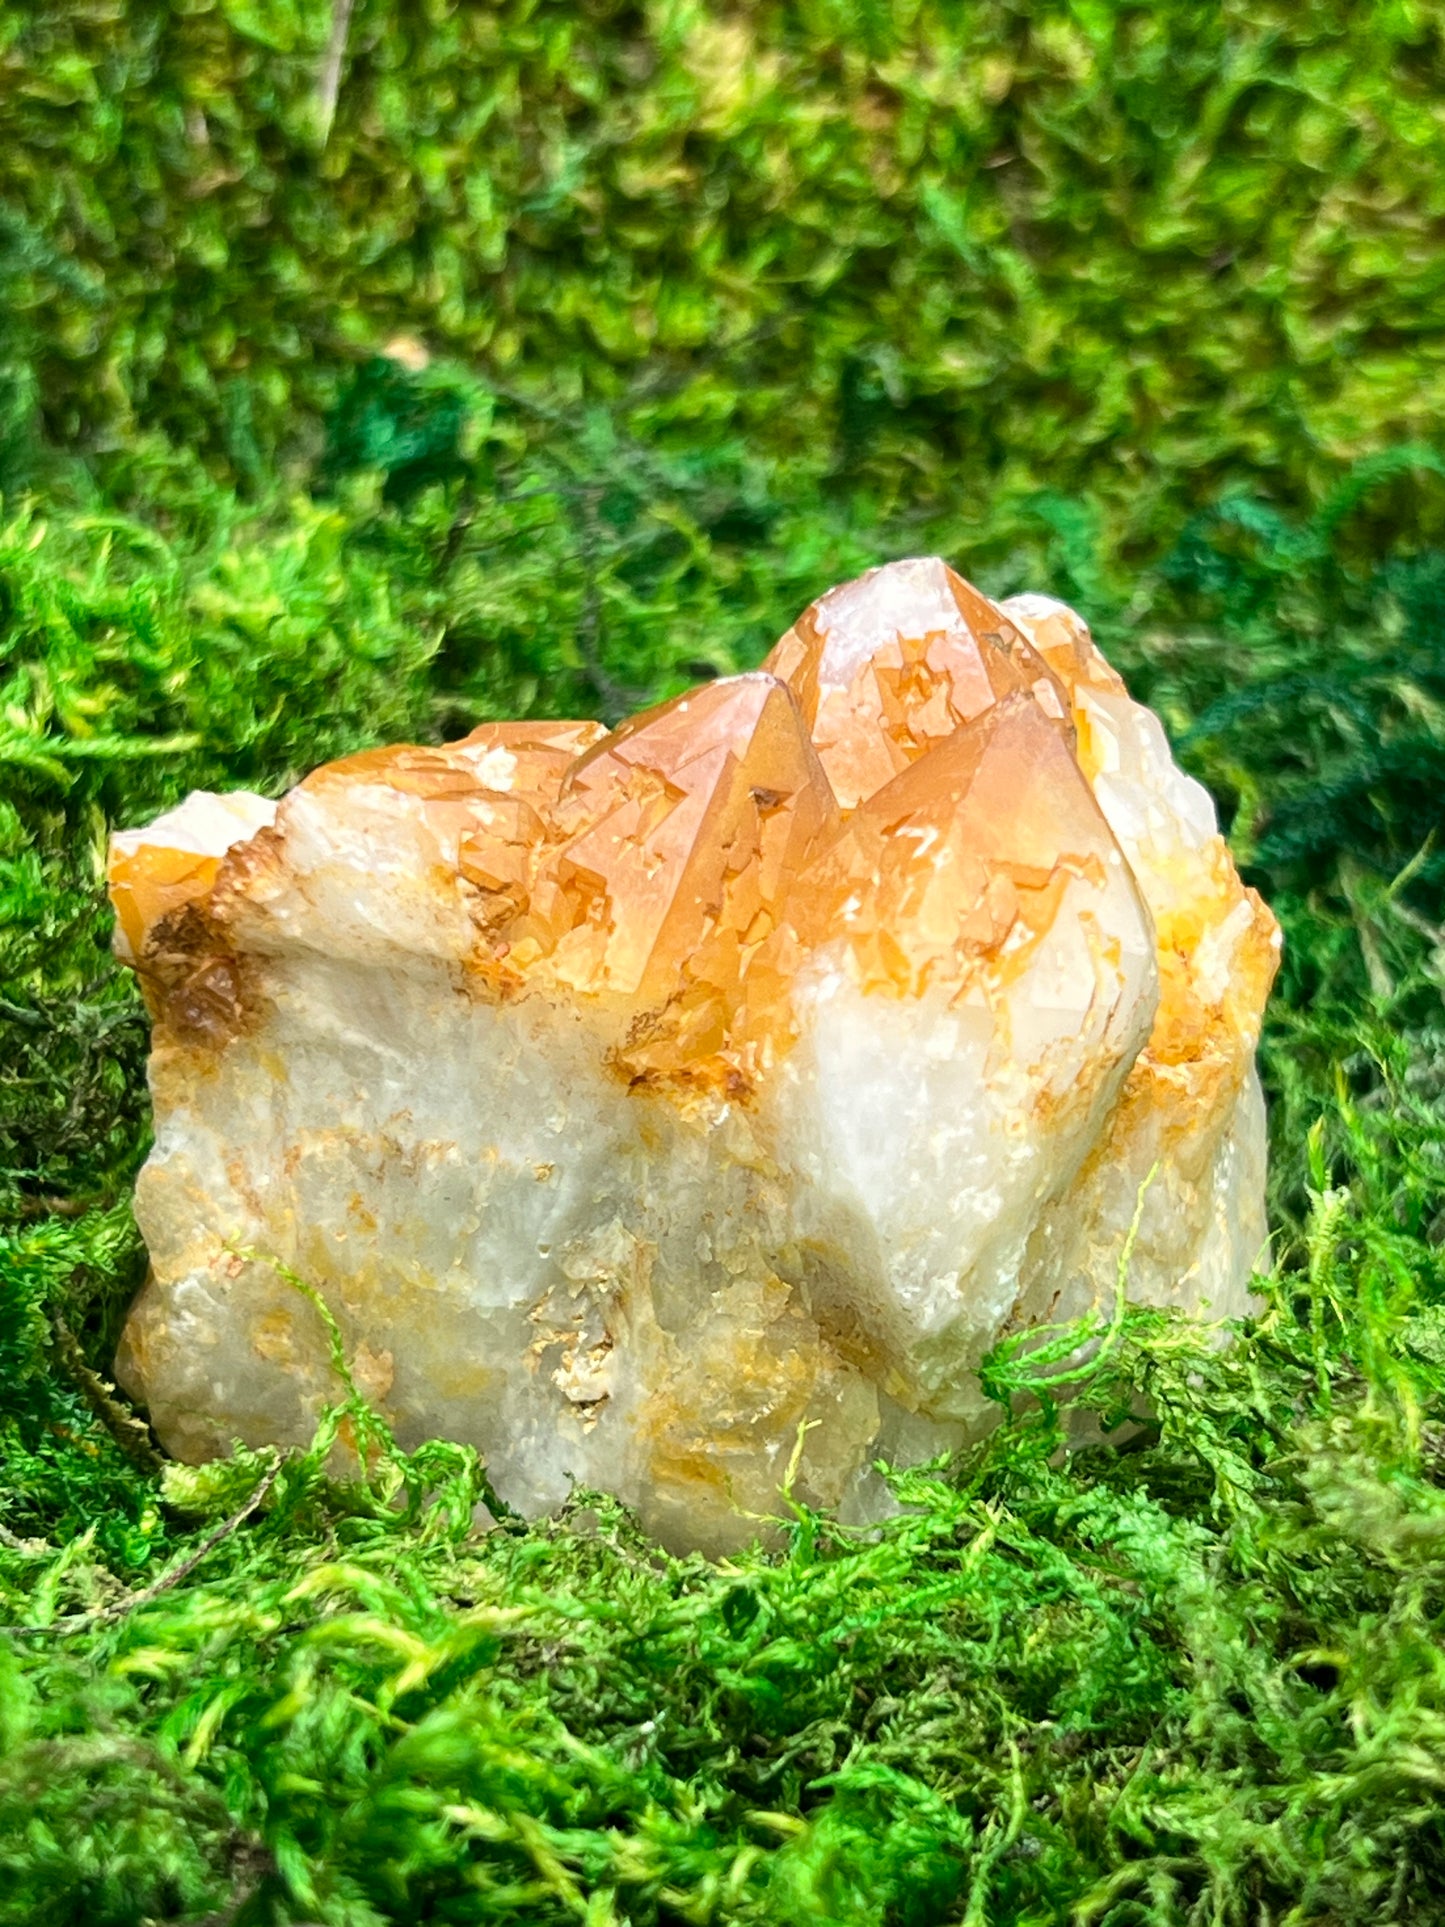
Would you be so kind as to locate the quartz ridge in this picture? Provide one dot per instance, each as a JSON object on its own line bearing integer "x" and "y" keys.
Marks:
{"x": 686, "y": 1109}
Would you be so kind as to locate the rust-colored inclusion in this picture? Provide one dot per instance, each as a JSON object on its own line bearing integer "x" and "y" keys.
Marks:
{"x": 961, "y": 859}
{"x": 1203, "y": 1028}
{"x": 675, "y": 841}
{"x": 895, "y": 662}
{"x": 152, "y": 883}
{"x": 1061, "y": 637}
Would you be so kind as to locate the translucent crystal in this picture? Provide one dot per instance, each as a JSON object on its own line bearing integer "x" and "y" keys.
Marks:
{"x": 665, "y": 1109}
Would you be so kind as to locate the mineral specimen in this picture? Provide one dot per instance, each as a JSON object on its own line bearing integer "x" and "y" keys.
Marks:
{"x": 685, "y": 1108}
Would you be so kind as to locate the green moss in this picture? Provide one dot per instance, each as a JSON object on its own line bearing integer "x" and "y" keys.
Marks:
{"x": 1194, "y": 1680}
{"x": 1125, "y": 302}
{"x": 1198, "y": 1679}
{"x": 943, "y": 252}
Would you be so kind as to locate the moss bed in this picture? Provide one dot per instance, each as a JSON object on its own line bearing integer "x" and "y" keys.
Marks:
{"x": 369, "y": 371}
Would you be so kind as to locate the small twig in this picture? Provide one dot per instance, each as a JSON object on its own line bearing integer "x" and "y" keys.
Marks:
{"x": 131, "y": 1434}
{"x": 616, "y": 700}
{"x": 580, "y": 501}
{"x": 1435, "y": 932}
{"x": 47, "y": 1206}
{"x": 466, "y": 514}
{"x": 77, "y": 1622}
{"x": 12, "y": 1541}
{"x": 328, "y": 81}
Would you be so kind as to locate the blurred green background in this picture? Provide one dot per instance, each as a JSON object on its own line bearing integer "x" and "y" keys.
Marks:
{"x": 369, "y": 370}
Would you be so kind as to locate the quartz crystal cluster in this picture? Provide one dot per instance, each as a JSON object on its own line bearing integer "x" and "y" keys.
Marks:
{"x": 687, "y": 1109}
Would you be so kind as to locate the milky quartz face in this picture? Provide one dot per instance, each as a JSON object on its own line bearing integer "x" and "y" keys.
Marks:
{"x": 658, "y": 1109}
